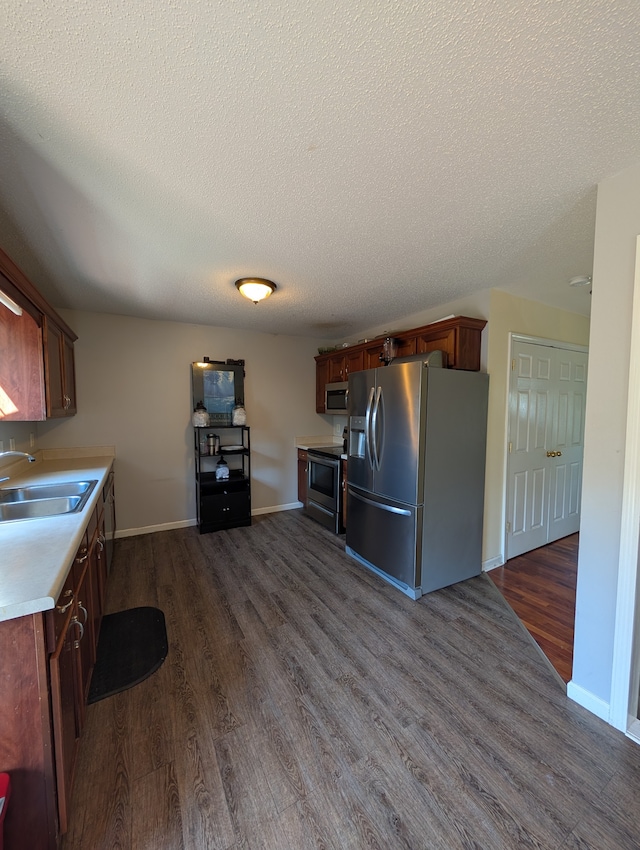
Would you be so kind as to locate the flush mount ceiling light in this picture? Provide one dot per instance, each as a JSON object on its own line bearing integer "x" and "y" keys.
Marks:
{"x": 581, "y": 280}
{"x": 255, "y": 288}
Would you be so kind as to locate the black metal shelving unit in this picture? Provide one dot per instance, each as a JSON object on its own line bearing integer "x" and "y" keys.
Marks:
{"x": 223, "y": 503}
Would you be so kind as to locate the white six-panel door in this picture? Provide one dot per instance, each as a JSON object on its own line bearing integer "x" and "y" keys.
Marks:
{"x": 546, "y": 432}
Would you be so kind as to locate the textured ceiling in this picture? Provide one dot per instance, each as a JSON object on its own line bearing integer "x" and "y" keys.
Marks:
{"x": 373, "y": 158}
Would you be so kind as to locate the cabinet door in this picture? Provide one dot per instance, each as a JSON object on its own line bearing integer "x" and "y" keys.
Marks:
{"x": 407, "y": 347}
{"x": 54, "y": 385}
{"x": 69, "y": 375}
{"x": 59, "y": 372}
{"x": 343, "y": 467}
{"x": 445, "y": 341}
{"x": 109, "y": 531}
{"x": 302, "y": 476}
{"x": 336, "y": 368}
{"x": 372, "y": 356}
{"x": 354, "y": 362}
{"x": 86, "y": 639}
{"x": 64, "y": 670}
{"x": 322, "y": 379}
{"x": 100, "y": 568}
{"x": 21, "y": 366}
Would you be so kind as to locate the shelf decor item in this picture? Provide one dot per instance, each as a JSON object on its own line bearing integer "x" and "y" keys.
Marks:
{"x": 222, "y": 470}
{"x": 200, "y": 417}
{"x": 239, "y": 415}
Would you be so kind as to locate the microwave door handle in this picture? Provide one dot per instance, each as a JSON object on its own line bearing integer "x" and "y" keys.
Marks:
{"x": 367, "y": 427}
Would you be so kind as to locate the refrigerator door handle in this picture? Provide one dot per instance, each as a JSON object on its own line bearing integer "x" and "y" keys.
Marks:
{"x": 378, "y": 429}
{"x": 382, "y": 506}
{"x": 367, "y": 427}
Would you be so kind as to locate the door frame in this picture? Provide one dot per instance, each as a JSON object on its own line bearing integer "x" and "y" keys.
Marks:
{"x": 545, "y": 343}
{"x": 625, "y": 674}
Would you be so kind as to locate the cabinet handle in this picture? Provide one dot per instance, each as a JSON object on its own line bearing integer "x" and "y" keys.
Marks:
{"x": 76, "y": 622}
{"x": 100, "y": 543}
{"x": 80, "y": 559}
{"x": 62, "y": 608}
{"x": 85, "y": 612}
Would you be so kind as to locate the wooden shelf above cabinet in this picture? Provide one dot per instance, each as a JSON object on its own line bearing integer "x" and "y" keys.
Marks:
{"x": 459, "y": 338}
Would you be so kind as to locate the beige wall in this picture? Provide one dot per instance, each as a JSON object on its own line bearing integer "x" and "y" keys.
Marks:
{"x": 617, "y": 226}
{"x": 510, "y": 314}
{"x": 134, "y": 392}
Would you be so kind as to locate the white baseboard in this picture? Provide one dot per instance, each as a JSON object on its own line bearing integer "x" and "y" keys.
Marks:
{"x": 492, "y": 563}
{"x": 151, "y": 529}
{"x": 590, "y": 701}
{"x": 185, "y": 523}
{"x": 273, "y": 509}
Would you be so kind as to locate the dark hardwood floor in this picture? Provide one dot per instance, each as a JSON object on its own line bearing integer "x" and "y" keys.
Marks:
{"x": 540, "y": 586}
{"x": 306, "y": 704}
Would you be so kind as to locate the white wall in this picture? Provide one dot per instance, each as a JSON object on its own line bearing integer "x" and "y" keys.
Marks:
{"x": 134, "y": 392}
{"x": 617, "y": 225}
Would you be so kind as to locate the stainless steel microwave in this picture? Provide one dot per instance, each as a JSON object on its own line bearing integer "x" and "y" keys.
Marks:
{"x": 336, "y": 397}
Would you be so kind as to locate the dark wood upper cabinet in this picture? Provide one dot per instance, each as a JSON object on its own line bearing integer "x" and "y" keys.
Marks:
{"x": 37, "y": 367}
{"x": 60, "y": 376}
{"x": 459, "y": 338}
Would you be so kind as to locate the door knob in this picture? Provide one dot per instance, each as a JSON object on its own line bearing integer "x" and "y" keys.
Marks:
{"x": 551, "y": 454}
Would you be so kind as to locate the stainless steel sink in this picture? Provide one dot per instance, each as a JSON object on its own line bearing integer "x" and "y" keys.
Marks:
{"x": 46, "y": 491}
{"x": 37, "y": 501}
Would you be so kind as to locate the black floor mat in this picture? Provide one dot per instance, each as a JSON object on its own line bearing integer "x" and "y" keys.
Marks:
{"x": 132, "y": 645}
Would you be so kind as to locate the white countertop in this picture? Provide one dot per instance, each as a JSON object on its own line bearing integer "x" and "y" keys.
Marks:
{"x": 317, "y": 442}
{"x": 36, "y": 554}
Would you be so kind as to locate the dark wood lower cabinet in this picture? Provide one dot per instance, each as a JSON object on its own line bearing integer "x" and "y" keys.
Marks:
{"x": 302, "y": 476}
{"x": 45, "y": 667}
{"x": 66, "y": 685}
{"x": 26, "y": 743}
{"x": 343, "y": 484}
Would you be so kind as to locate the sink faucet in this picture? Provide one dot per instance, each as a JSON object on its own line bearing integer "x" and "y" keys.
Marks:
{"x": 29, "y": 457}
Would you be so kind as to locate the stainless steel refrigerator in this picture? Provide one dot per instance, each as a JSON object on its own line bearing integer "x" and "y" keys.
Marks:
{"x": 415, "y": 473}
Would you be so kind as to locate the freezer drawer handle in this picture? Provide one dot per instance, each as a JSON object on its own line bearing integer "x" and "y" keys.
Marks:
{"x": 392, "y": 510}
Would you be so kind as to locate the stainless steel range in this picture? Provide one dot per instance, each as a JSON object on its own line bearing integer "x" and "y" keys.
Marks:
{"x": 324, "y": 486}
